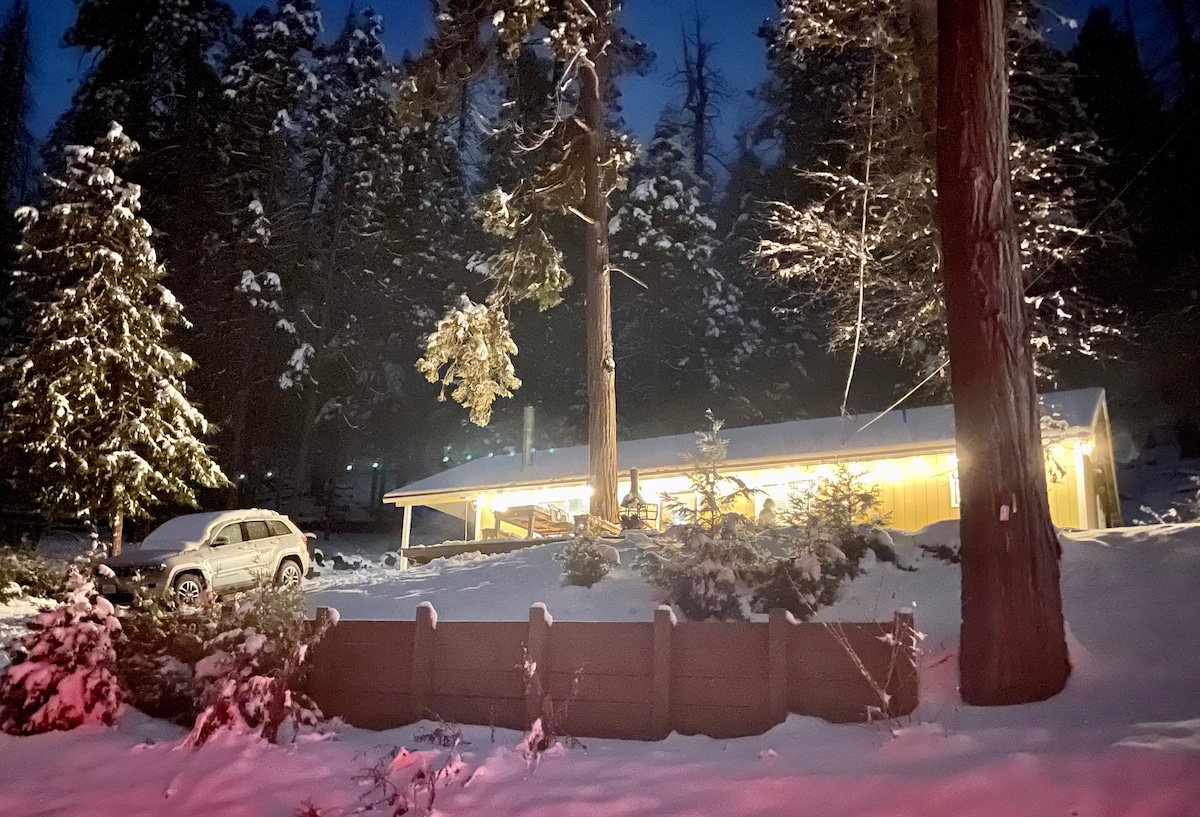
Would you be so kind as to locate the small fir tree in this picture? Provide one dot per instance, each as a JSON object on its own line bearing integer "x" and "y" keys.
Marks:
{"x": 66, "y": 676}
{"x": 712, "y": 554}
{"x": 100, "y": 406}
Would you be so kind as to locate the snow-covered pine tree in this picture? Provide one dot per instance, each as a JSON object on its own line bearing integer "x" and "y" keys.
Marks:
{"x": 15, "y": 151}
{"x": 155, "y": 70}
{"x": 359, "y": 233}
{"x": 824, "y": 246}
{"x": 272, "y": 67}
{"x": 65, "y": 675}
{"x": 99, "y": 405}
{"x": 585, "y": 40}
{"x": 152, "y": 61}
{"x": 676, "y": 335}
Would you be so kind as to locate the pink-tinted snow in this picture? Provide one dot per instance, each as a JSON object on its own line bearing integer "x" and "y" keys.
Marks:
{"x": 1123, "y": 740}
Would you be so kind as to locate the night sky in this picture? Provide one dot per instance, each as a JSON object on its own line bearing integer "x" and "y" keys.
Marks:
{"x": 731, "y": 23}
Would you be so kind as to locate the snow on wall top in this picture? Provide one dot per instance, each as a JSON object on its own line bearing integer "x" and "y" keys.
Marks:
{"x": 826, "y": 437}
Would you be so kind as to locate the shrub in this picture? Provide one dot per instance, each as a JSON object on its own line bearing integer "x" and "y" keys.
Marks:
{"x": 250, "y": 677}
{"x": 808, "y": 576}
{"x": 66, "y": 675}
{"x": 831, "y": 527}
{"x": 583, "y": 562}
{"x": 838, "y": 501}
{"x": 177, "y": 660}
{"x": 23, "y": 573}
{"x": 703, "y": 562}
{"x": 702, "y": 571}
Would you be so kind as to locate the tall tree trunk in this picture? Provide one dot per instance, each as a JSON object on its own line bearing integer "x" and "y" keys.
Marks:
{"x": 118, "y": 531}
{"x": 601, "y": 366}
{"x": 302, "y": 470}
{"x": 1013, "y": 648}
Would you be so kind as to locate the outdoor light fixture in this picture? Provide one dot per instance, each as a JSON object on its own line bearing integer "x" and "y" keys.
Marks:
{"x": 374, "y": 465}
{"x": 270, "y": 474}
{"x": 349, "y": 467}
{"x": 636, "y": 513}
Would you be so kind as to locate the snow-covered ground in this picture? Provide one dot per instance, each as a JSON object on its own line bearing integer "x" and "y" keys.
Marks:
{"x": 1122, "y": 739}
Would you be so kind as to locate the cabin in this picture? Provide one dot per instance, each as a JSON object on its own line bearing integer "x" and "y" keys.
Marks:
{"x": 909, "y": 453}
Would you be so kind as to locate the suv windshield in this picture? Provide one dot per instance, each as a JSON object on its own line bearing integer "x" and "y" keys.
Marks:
{"x": 178, "y": 533}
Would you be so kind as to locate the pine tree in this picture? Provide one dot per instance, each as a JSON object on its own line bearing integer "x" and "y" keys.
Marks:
{"x": 152, "y": 65}
{"x": 67, "y": 676}
{"x": 585, "y": 40}
{"x": 15, "y": 144}
{"x": 100, "y": 407}
{"x": 15, "y": 139}
{"x": 677, "y": 334}
{"x": 272, "y": 69}
{"x": 869, "y": 229}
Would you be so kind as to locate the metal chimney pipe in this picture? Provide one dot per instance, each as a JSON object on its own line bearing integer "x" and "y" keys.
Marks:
{"x": 527, "y": 439}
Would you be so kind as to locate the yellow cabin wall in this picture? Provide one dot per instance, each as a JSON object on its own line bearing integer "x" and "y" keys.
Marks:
{"x": 915, "y": 490}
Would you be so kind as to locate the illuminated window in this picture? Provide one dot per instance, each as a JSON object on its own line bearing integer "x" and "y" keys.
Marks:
{"x": 954, "y": 495}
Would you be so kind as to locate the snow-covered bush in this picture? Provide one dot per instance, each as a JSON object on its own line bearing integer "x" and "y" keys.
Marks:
{"x": 807, "y": 576}
{"x": 829, "y": 526}
{"x": 584, "y": 562}
{"x": 705, "y": 562}
{"x": 23, "y": 573}
{"x": 704, "y": 572}
{"x": 157, "y": 661}
{"x": 251, "y": 673}
{"x": 176, "y": 660}
{"x": 65, "y": 674}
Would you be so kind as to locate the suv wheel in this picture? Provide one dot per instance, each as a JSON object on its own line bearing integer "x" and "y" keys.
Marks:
{"x": 187, "y": 589}
{"x": 289, "y": 574}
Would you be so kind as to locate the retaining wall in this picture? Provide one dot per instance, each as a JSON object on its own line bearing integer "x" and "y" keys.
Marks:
{"x": 637, "y": 680}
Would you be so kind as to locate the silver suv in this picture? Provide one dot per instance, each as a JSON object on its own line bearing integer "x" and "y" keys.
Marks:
{"x": 220, "y": 551}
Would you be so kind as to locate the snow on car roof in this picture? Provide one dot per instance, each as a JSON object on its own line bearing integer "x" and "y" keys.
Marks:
{"x": 826, "y": 437}
{"x": 193, "y": 528}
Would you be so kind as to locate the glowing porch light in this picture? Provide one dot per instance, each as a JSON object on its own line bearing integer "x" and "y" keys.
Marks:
{"x": 952, "y": 460}
{"x": 1085, "y": 447}
{"x": 920, "y": 466}
{"x": 350, "y": 467}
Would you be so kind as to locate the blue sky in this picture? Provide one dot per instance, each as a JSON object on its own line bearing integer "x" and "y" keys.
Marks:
{"x": 739, "y": 54}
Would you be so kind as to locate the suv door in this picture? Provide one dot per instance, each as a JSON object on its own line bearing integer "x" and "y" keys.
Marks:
{"x": 228, "y": 557}
{"x": 260, "y": 547}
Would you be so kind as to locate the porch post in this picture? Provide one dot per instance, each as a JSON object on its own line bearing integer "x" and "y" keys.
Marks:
{"x": 405, "y": 534}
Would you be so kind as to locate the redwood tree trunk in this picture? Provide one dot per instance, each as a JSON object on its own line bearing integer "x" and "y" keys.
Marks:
{"x": 601, "y": 367}
{"x": 1013, "y": 648}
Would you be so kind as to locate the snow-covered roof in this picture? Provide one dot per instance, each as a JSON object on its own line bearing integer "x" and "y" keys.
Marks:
{"x": 796, "y": 441}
